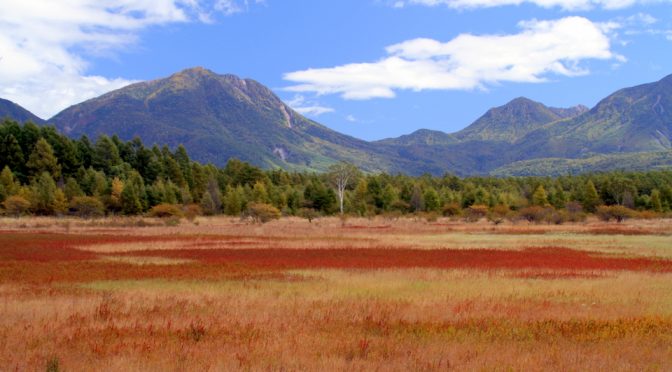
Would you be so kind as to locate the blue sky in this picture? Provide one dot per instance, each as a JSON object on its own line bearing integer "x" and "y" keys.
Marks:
{"x": 369, "y": 68}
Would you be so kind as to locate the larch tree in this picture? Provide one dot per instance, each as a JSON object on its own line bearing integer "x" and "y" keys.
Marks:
{"x": 42, "y": 159}
{"x": 540, "y": 197}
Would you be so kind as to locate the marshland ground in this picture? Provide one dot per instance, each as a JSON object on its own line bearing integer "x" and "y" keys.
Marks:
{"x": 360, "y": 294}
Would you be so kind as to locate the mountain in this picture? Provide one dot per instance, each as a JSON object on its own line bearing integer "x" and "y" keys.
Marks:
{"x": 514, "y": 120}
{"x": 486, "y": 144}
{"x": 221, "y": 116}
{"x": 630, "y": 129}
{"x": 11, "y": 110}
{"x": 217, "y": 117}
{"x": 636, "y": 119}
{"x": 421, "y": 137}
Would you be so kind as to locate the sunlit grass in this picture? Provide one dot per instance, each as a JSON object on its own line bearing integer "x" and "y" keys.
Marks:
{"x": 166, "y": 298}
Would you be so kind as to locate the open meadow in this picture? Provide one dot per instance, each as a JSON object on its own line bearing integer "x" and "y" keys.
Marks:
{"x": 362, "y": 294}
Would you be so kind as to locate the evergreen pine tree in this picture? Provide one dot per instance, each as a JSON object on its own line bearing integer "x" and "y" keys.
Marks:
{"x": 559, "y": 198}
{"x": 105, "y": 155}
{"x": 42, "y": 159}
{"x": 130, "y": 201}
{"x": 11, "y": 154}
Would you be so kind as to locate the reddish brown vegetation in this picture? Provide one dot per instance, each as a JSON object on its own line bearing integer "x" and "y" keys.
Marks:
{"x": 400, "y": 320}
{"x": 376, "y": 258}
{"x": 210, "y": 262}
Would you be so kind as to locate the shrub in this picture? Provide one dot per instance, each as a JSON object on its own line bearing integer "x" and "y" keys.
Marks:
{"x": 556, "y": 217}
{"x": 87, "y": 206}
{"x": 262, "y": 212}
{"x": 427, "y": 216}
{"x": 191, "y": 211}
{"x": 308, "y": 213}
{"x": 499, "y": 213}
{"x": 392, "y": 215}
{"x": 476, "y": 212}
{"x": 452, "y": 209}
{"x": 575, "y": 212}
{"x": 537, "y": 214}
{"x": 165, "y": 210}
{"x": 648, "y": 215}
{"x": 16, "y": 205}
{"x": 615, "y": 212}
{"x": 401, "y": 206}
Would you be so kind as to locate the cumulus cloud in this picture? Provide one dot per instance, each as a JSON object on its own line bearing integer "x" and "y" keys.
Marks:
{"x": 563, "y": 4}
{"x": 44, "y": 44}
{"x": 300, "y": 104}
{"x": 466, "y": 62}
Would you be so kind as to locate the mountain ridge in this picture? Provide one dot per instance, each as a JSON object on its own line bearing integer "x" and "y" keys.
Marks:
{"x": 218, "y": 117}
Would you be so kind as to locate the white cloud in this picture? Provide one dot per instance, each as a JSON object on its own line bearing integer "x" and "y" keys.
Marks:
{"x": 468, "y": 61}
{"x": 44, "y": 44}
{"x": 351, "y": 118}
{"x": 306, "y": 107}
{"x": 563, "y": 4}
{"x": 230, "y": 7}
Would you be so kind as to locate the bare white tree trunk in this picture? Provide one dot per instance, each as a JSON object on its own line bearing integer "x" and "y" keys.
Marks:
{"x": 341, "y": 174}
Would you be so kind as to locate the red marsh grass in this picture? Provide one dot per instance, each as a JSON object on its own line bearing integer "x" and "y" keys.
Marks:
{"x": 297, "y": 296}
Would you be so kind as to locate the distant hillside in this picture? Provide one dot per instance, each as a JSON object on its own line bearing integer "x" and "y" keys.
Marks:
{"x": 527, "y": 137}
{"x": 637, "y": 119}
{"x": 639, "y": 161}
{"x": 10, "y": 110}
{"x": 421, "y": 137}
{"x": 511, "y": 122}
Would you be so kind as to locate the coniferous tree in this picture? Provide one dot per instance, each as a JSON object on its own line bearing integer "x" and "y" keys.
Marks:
{"x": 208, "y": 204}
{"x": 431, "y": 198}
{"x": 44, "y": 194}
{"x": 72, "y": 189}
{"x": 656, "y": 203}
{"x": 10, "y": 185}
{"x": 116, "y": 189}
{"x": 11, "y": 154}
{"x": 85, "y": 151}
{"x": 60, "y": 205}
{"x": 559, "y": 198}
{"x": 234, "y": 200}
{"x": 182, "y": 159}
{"x": 42, "y": 159}
{"x": 590, "y": 198}
{"x": 540, "y": 197}
{"x": 130, "y": 200}
{"x": 105, "y": 155}
{"x": 259, "y": 193}
{"x": 28, "y": 137}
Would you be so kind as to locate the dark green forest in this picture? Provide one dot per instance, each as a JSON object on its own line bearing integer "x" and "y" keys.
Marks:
{"x": 47, "y": 173}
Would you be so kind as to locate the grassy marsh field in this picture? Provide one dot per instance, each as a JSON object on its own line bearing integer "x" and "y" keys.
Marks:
{"x": 376, "y": 294}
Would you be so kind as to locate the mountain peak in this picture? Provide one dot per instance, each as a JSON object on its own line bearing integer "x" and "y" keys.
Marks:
{"x": 10, "y": 110}
{"x": 521, "y": 101}
{"x": 509, "y": 122}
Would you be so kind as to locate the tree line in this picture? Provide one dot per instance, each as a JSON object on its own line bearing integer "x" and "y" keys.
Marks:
{"x": 44, "y": 172}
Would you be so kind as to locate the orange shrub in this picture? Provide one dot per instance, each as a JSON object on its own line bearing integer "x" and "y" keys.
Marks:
{"x": 165, "y": 210}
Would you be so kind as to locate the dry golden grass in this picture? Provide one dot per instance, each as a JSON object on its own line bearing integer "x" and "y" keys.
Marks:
{"x": 83, "y": 301}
